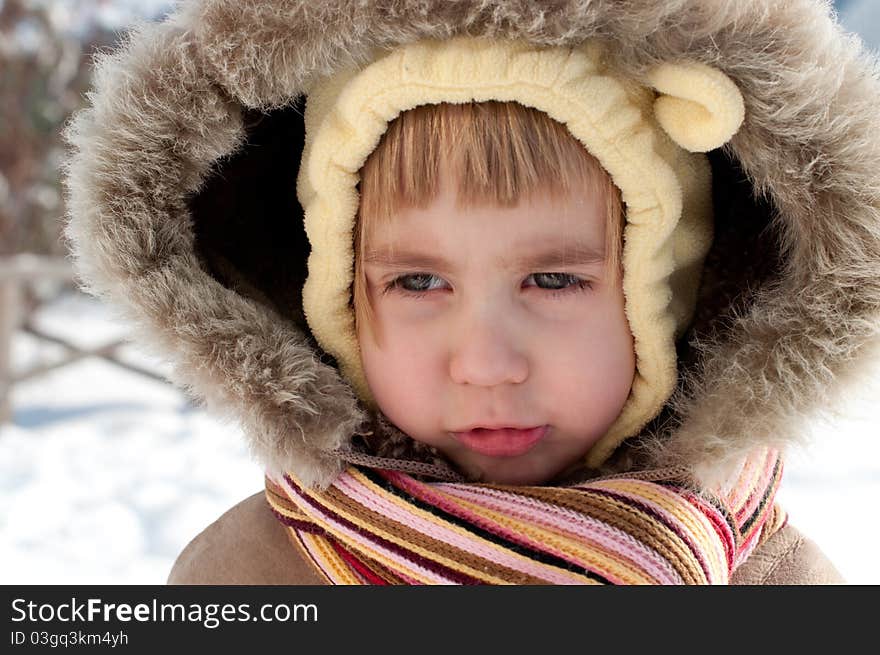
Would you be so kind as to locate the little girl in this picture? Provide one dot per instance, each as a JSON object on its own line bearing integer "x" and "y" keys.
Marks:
{"x": 503, "y": 329}
{"x": 518, "y": 359}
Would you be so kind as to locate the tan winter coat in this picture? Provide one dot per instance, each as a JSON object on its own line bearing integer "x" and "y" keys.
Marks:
{"x": 183, "y": 214}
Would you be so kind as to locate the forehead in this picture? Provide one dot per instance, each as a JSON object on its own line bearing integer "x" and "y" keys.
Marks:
{"x": 541, "y": 230}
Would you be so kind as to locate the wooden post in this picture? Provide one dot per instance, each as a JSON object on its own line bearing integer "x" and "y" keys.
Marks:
{"x": 10, "y": 315}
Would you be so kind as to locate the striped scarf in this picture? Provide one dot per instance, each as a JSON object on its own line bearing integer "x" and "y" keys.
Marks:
{"x": 377, "y": 526}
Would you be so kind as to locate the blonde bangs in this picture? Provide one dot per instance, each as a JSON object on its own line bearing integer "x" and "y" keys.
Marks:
{"x": 496, "y": 153}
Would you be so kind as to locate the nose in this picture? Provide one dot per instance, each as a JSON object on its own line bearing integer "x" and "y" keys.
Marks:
{"x": 485, "y": 353}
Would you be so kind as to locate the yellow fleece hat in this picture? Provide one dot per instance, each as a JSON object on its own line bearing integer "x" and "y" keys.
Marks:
{"x": 666, "y": 189}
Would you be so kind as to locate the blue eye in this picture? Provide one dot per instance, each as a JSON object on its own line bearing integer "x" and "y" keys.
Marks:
{"x": 417, "y": 285}
{"x": 560, "y": 283}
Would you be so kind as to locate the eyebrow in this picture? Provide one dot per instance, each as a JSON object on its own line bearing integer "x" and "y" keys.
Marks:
{"x": 568, "y": 254}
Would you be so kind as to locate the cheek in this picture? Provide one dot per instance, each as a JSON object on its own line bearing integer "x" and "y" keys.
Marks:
{"x": 594, "y": 360}
{"x": 402, "y": 371}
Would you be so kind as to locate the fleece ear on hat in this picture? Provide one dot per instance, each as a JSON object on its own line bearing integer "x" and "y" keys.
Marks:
{"x": 699, "y": 106}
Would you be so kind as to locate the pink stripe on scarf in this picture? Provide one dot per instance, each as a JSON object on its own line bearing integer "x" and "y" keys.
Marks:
{"x": 467, "y": 542}
{"x": 367, "y": 544}
{"x": 573, "y": 525}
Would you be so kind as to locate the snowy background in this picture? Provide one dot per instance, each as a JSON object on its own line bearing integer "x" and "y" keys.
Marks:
{"x": 106, "y": 474}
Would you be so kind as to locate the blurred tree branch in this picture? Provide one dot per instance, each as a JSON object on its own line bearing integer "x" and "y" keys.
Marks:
{"x": 44, "y": 73}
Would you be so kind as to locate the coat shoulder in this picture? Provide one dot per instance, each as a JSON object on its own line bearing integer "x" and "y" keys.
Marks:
{"x": 787, "y": 558}
{"x": 245, "y": 546}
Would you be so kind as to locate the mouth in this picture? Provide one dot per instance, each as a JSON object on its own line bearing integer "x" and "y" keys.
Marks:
{"x": 504, "y": 442}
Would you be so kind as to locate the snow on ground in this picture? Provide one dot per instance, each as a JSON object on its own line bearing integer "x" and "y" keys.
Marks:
{"x": 106, "y": 474}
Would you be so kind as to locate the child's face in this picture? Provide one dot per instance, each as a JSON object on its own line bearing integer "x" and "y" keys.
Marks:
{"x": 473, "y": 335}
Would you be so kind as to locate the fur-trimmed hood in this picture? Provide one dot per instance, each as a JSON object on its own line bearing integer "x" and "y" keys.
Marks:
{"x": 183, "y": 212}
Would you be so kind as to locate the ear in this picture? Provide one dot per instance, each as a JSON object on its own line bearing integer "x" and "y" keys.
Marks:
{"x": 699, "y": 106}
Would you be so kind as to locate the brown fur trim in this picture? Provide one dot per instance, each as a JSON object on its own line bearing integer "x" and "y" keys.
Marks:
{"x": 796, "y": 331}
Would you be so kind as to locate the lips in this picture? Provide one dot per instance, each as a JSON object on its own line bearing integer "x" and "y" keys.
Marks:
{"x": 505, "y": 442}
